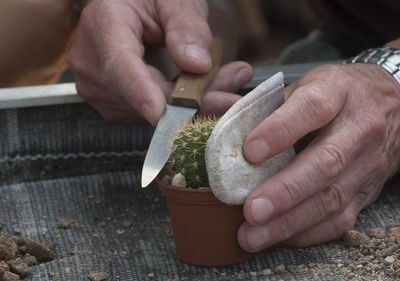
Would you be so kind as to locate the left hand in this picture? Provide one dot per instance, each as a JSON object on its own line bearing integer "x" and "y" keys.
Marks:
{"x": 354, "y": 112}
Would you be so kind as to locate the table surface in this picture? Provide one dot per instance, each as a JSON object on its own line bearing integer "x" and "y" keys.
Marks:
{"x": 65, "y": 161}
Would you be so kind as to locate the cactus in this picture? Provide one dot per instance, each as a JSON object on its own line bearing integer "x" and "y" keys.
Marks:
{"x": 188, "y": 151}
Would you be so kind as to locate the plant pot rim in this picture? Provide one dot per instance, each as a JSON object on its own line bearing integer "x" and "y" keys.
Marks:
{"x": 188, "y": 195}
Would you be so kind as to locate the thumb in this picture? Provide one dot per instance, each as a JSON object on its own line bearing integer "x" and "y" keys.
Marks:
{"x": 188, "y": 34}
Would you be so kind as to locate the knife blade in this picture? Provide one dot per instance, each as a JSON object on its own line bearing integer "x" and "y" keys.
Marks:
{"x": 182, "y": 106}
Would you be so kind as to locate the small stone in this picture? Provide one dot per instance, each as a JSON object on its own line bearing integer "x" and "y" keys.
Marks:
{"x": 267, "y": 272}
{"x": 291, "y": 268}
{"x": 17, "y": 231}
{"x": 98, "y": 276}
{"x": 393, "y": 224}
{"x": 101, "y": 224}
{"x": 390, "y": 250}
{"x": 377, "y": 232}
{"x": 364, "y": 260}
{"x": 253, "y": 274}
{"x": 29, "y": 260}
{"x": 120, "y": 231}
{"x": 9, "y": 276}
{"x": 394, "y": 232}
{"x": 354, "y": 238}
{"x": 351, "y": 275}
{"x": 4, "y": 266}
{"x": 280, "y": 268}
{"x": 389, "y": 260}
{"x": 179, "y": 181}
{"x": 8, "y": 248}
{"x": 151, "y": 275}
{"x": 36, "y": 249}
{"x": 1, "y": 274}
{"x": 18, "y": 266}
{"x": 127, "y": 223}
{"x": 64, "y": 223}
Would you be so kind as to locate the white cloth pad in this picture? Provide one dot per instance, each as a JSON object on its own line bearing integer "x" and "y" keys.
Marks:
{"x": 231, "y": 176}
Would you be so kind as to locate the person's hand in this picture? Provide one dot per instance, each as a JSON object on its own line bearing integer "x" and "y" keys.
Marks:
{"x": 107, "y": 56}
{"x": 354, "y": 113}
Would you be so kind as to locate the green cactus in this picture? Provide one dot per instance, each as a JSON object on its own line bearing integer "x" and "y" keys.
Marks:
{"x": 188, "y": 151}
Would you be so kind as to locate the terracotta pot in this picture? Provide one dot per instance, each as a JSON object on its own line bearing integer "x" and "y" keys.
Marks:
{"x": 205, "y": 229}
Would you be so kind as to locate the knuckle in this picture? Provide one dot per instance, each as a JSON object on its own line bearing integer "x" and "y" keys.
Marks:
{"x": 291, "y": 194}
{"x": 332, "y": 200}
{"x": 376, "y": 126}
{"x": 285, "y": 129}
{"x": 330, "y": 161}
{"x": 316, "y": 104}
{"x": 286, "y": 226}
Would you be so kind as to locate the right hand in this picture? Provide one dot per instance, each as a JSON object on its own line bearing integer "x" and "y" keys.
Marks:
{"x": 107, "y": 56}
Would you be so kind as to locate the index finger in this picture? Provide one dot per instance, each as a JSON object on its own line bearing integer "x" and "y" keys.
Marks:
{"x": 311, "y": 106}
{"x": 108, "y": 50}
{"x": 317, "y": 168}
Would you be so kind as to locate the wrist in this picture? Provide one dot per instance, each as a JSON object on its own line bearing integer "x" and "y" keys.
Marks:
{"x": 386, "y": 57}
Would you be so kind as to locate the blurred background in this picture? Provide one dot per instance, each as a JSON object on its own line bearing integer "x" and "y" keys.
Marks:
{"x": 267, "y": 27}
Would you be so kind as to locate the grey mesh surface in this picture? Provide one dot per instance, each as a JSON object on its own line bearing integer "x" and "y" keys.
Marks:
{"x": 65, "y": 161}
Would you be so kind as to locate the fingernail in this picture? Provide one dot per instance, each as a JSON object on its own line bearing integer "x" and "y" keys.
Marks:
{"x": 257, "y": 150}
{"x": 261, "y": 209}
{"x": 147, "y": 113}
{"x": 241, "y": 78}
{"x": 257, "y": 237}
{"x": 198, "y": 54}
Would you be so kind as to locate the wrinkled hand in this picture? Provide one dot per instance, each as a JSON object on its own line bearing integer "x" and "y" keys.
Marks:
{"x": 107, "y": 56}
{"x": 354, "y": 113}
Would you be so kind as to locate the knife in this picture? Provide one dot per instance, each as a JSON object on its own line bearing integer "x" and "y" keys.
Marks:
{"x": 182, "y": 106}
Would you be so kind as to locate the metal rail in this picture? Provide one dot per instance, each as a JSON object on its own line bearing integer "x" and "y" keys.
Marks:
{"x": 65, "y": 93}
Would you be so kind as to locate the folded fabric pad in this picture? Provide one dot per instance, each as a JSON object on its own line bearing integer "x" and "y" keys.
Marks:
{"x": 231, "y": 176}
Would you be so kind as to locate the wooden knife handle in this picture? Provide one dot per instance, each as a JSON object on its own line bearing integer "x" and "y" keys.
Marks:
{"x": 189, "y": 87}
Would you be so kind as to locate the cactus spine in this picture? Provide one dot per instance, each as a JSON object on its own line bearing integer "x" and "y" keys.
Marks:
{"x": 188, "y": 151}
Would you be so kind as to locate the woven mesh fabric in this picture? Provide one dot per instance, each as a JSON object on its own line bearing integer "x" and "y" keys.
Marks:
{"x": 65, "y": 161}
